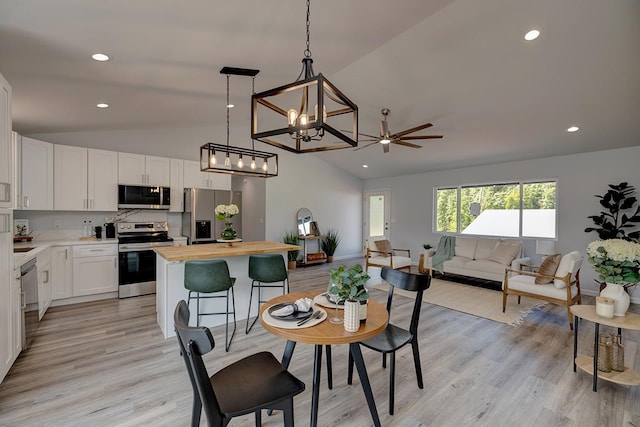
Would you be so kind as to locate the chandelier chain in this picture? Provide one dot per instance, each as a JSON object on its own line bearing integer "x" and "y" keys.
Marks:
{"x": 307, "y": 51}
{"x": 253, "y": 92}
{"x": 228, "y": 110}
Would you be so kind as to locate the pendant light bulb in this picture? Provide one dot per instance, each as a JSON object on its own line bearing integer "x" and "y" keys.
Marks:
{"x": 240, "y": 163}
{"x": 265, "y": 166}
{"x": 227, "y": 161}
{"x": 212, "y": 158}
{"x": 253, "y": 162}
{"x": 292, "y": 116}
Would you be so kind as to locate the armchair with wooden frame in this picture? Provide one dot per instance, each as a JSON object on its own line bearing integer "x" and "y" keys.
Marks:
{"x": 562, "y": 288}
{"x": 380, "y": 253}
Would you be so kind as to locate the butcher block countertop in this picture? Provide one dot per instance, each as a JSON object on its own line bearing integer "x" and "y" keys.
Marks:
{"x": 219, "y": 250}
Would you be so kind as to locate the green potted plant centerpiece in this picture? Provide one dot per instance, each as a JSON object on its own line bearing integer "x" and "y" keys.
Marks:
{"x": 291, "y": 238}
{"x": 330, "y": 242}
{"x": 350, "y": 289}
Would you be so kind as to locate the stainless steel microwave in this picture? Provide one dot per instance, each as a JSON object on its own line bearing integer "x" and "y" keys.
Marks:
{"x": 143, "y": 197}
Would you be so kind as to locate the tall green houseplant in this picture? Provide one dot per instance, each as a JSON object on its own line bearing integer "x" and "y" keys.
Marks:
{"x": 620, "y": 215}
{"x": 330, "y": 243}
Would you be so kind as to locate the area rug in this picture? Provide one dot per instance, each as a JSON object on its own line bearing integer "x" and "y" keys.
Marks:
{"x": 476, "y": 301}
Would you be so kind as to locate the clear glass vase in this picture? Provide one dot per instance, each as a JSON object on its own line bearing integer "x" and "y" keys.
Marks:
{"x": 617, "y": 353}
{"x": 228, "y": 233}
{"x": 604, "y": 353}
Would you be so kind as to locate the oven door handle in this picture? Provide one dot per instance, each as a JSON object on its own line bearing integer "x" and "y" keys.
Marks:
{"x": 133, "y": 249}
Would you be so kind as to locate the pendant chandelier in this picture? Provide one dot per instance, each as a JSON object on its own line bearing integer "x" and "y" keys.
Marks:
{"x": 304, "y": 116}
{"x": 237, "y": 160}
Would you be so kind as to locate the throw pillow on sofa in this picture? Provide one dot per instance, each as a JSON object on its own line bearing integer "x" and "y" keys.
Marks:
{"x": 548, "y": 267}
{"x": 505, "y": 252}
{"x": 384, "y": 246}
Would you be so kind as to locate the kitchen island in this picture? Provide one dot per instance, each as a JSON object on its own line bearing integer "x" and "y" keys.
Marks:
{"x": 170, "y": 279}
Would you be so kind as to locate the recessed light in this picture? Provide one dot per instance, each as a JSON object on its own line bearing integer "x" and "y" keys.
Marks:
{"x": 365, "y": 166}
{"x": 573, "y": 129}
{"x": 532, "y": 35}
{"x": 100, "y": 57}
{"x": 102, "y": 105}
{"x": 230, "y": 105}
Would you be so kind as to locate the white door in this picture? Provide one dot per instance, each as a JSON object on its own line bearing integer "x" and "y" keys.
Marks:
{"x": 131, "y": 169}
{"x": 37, "y": 174}
{"x": 70, "y": 178}
{"x": 377, "y": 212}
{"x": 158, "y": 171}
{"x": 103, "y": 180}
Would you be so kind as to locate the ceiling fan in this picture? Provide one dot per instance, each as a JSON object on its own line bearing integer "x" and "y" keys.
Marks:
{"x": 400, "y": 138}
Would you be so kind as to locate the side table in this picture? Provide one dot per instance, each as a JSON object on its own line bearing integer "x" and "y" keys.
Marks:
{"x": 590, "y": 364}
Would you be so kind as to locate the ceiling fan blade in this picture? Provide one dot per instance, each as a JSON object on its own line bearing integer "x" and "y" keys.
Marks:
{"x": 406, "y": 144}
{"x": 363, "y": 134}
{"x": 365, "y": 146}
{"x": 409, "y": 138}
{"x": 415, "y": 129}
{"x": 385, "y": 148}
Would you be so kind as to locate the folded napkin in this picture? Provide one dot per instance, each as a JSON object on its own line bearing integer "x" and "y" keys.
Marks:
{"x": 303, "y": 304}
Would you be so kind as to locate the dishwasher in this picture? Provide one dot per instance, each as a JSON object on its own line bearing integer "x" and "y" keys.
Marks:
{"x": 30, "y": 318}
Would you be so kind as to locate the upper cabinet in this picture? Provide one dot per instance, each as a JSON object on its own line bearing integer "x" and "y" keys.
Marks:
{"x": 36, "y": 175}
{"x": 138, "y": 169}
{"x": 85, "y": 179}
{"x": 195, "y": 178}
{"x": 177, "y": 185}
{"x": 6, "y": 157}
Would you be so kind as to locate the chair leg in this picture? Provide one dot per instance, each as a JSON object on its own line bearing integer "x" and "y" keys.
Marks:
{"x": 570, "y": 317}
{"x": 329, "y": 370}
{"x": 504, "y": 301}
{"x": 384, "y": 360}
{"x": 196, "y": 410}
{"x": 392, "y": 382}
{"x": 518, "y": 299}
{"x": 249, "y": 324}
{"x": 228, "y": 339}
{"x": 287, "y": 411}
{"x": 197, "y": 308}
{"x": 258, "y": 414}
{"x": 416, "y": 362}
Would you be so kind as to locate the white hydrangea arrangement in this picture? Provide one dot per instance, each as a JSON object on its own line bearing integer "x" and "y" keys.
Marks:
{"x": 224, "y": 212}
{"x": 615, "y": 260}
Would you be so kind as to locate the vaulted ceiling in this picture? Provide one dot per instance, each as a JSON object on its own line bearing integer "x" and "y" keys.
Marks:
{"x": 461, "y": 64}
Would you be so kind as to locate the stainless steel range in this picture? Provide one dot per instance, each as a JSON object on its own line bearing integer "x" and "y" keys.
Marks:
{"x": 137, "y": 260}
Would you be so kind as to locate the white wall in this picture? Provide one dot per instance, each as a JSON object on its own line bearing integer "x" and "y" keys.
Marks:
{"x": 579, "y": 176}
{"x": 333, "y": 196}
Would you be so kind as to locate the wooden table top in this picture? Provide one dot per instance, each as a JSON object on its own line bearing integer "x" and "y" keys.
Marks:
{"x": 327, "y": 332}
{"x": 218, "y": 250}
{"x": 588, "y": 312}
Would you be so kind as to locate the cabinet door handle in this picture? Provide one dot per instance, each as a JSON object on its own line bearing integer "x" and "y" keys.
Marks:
{"x": 4, "y": 226}
{"x": 65, "y": 253}
{"x": 7, "y": 191}
{"x": 46, "y": 272}
{"x": 23, "y": 300}
{"x": 92, "y": 203}
{"x": 26, "y": 202}
{"x": 115, "y": 263}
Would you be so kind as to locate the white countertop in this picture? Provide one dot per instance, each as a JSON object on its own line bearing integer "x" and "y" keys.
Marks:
{"x": 39, "y": 245}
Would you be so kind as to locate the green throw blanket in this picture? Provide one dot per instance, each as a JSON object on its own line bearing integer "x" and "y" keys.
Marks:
{"x": 446, "y": 250}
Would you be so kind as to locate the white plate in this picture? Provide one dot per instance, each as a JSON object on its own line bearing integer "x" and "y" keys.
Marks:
{"x": 323, "y": 301}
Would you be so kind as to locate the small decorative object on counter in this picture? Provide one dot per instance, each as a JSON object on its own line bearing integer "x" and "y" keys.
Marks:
{"x": 351, "y": 316}
{"x": 604, "y": 353}
{"x": 98, "y": 230}
{"x": 225, "y": 213}
{"x": 110, "y": 229}
{"x": 617, "y": 353}
{"x": 604, "y": 307}
{"x": 351, "y": 289}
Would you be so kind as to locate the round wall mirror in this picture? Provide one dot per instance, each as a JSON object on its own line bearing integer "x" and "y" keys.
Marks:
{"x": 304, "y": 221}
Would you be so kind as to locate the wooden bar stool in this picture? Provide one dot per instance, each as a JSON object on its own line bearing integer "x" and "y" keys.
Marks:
{"x": 267, "y": 268}
{"x": 210, "y": 277}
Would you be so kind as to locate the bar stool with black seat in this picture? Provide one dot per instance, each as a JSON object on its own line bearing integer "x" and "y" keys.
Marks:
{"x": 393, "y": 338}
{"x": 269, "y": 269}
{"x": 251, "y": 384}
{"x": 211, "y": 277}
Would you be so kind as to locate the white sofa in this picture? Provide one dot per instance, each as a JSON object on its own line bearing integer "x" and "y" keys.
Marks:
{"x": 480, "y": 257}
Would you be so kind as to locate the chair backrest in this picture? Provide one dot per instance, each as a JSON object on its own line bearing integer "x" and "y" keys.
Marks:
{"x": 211, "y": 275}
{"x": 267, "y": 268}
{"x": 193, "y": 343}
{"x": 411, "y": 282}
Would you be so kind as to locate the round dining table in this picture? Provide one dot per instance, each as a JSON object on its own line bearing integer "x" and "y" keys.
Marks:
{"x": 327, "y": 333}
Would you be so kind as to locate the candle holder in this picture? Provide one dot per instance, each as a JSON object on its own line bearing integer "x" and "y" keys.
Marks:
{"x": 604, "y": 307}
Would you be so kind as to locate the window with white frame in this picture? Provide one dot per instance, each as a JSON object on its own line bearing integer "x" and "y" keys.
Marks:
{"x": 511, "y": 209}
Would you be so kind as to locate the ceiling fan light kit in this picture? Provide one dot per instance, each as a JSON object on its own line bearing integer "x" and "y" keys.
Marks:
{"x": 261, "y": 163}
{"x": 304, "y": 116}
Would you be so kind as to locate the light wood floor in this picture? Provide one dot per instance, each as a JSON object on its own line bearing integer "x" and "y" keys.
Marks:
{"x": 106, "y": 364}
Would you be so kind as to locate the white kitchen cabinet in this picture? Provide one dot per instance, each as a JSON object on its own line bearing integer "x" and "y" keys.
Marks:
{"x": 85, "y": 179}
{"x": 177, "y": 185}
{"x": 36, "y": 175}
{"x": 61, "y": 272}
{"x": 195, "y": 178}
{"x": 95, "y": 269}
{"x": 138, "y": 169}
{"x": 10, "y": 301}
{"x": 7, "y": 186}
{"x": 43, "y": 265}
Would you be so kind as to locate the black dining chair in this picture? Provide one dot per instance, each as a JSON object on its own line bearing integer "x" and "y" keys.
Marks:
{"x": 393, "y": 337}
{"x": 249, "y": 385}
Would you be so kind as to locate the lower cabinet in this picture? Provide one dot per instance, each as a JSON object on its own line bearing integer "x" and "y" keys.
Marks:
{"x": 95, "y": 269}
{"x": 44, "y": 281}
{"x": 61, "y": 272}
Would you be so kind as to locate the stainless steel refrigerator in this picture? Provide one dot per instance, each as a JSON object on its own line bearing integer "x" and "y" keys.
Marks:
{"x": 199, "y": 223}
